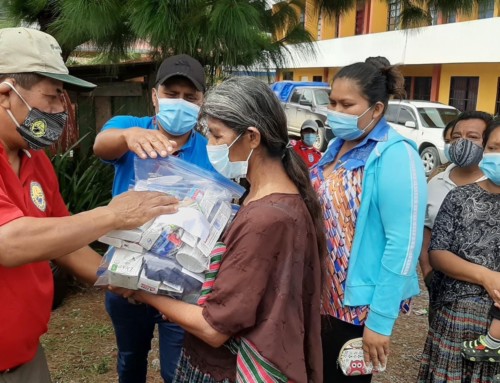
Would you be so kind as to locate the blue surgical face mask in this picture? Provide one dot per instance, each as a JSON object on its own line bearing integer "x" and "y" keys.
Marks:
{"x": 218, "y": 156}
{"x": 490, "y": 166}
{"x": 176, "y": 115}
{"x": 345, "y": 126}
{"x": 310, "y": 138}
{"x": 447, "y": 152}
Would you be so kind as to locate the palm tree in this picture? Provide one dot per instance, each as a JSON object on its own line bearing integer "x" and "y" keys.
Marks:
{"x": 414, "y": 14}
{"x": 220, "y": 33}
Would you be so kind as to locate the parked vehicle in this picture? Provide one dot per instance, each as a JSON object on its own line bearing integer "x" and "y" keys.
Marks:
{"x": 422, "y": 122}
{"x": 305, "y": 101}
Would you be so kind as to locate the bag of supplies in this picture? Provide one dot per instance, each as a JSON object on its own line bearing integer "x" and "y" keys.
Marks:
{"x": 170, "y": 254}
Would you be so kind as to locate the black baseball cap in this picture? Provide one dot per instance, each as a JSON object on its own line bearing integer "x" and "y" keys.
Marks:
{"x": 182, "y": 65}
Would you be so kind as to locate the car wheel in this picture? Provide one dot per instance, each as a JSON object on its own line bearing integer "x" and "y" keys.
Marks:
{"x": 430, "y": 159}
{"x": 321, "y": 142}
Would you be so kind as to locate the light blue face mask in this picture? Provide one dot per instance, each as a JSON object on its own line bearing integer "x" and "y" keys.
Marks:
{"x": 176, "y": 115}
{"x": 345, "y": 126}
{"x": 310, "y": 138}
{"x": 447, "y": 152}
{"x": 218, "y": 155}
{"x": 490, "y": 166}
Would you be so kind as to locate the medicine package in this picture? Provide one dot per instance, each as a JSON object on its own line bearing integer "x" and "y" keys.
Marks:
{"x": 171, "y": 254}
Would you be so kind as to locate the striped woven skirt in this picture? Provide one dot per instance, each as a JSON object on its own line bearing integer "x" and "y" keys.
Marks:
{"x": 186, "y": 372}
{"x": 452, "y": 325}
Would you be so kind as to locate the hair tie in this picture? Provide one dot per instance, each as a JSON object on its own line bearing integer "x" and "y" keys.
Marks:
{"x": 287, "y": 147}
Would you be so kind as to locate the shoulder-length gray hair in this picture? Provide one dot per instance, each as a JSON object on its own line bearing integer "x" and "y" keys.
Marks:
{"x": 242, "y": 102}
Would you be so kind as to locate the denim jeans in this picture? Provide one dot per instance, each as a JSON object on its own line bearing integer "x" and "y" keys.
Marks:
{"x": 134, "y": 325}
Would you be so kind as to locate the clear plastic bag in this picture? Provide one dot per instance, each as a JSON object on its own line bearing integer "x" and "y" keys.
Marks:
{"x": 170, "y": 254}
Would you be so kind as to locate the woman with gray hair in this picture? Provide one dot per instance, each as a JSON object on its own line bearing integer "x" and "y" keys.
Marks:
{"x": 265, "y": 301}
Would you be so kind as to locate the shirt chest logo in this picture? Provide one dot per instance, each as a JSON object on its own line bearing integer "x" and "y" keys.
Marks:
{"x": 311, "y": 157}
{"x": 38, "y": 196}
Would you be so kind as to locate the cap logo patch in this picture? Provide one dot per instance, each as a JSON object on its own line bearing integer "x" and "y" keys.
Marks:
{"x": 55, "y": 48}
{"x": 181, "y": 63}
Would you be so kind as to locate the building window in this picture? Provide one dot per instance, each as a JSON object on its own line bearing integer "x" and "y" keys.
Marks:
{"x": 360, "y": 17}
{"x": 497, "y": 109}
{"x": 463, "y": 93}
{"x": 452, "y": 18}
{"x": 288, "y": 76}
{"x": 434, "y": 15}
{"x": 408, "y": 87}
{"x": 418, "y": 88}
{"x": 486, "y": 9}
{"x": 302, "y": 18}
{"x": 422, "y": 88}
{"x": 394, "y": 15}
{"x": 317, "y": 78}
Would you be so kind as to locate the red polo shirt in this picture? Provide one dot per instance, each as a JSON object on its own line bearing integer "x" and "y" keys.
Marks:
{"x": 309, "y": 154}
{"x": 26, "y": 292}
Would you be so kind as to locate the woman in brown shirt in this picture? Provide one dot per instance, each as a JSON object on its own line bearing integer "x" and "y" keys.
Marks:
{"x": 267, "y": 294}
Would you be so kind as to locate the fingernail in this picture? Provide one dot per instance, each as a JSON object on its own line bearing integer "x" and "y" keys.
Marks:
{"x": 163, "y": 153}
{"x": 153, "y": 154}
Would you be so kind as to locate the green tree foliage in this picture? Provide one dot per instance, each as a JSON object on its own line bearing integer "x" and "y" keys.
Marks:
{"x": 220, "y": 33}
{"x": 414, "y": 14}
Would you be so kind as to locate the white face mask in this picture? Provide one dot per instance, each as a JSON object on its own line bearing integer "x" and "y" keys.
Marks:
{"x": 219, "y": 158}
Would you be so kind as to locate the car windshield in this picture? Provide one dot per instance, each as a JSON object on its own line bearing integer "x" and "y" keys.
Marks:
{"x": 437, "y": 117}
{"x": 322, "y": 96}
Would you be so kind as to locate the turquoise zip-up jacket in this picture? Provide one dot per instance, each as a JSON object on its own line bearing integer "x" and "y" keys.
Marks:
{"x": 389, "y": 230}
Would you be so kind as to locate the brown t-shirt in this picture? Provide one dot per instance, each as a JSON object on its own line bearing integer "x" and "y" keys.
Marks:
{"x": 268, "y": 291}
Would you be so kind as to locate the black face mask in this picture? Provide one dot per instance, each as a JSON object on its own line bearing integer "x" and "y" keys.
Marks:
{"x": 465, "y": 153}
{"x": 39, "y": 129}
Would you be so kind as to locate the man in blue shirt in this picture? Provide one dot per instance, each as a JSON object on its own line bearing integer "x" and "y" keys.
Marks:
{"x": 177, "y": 96}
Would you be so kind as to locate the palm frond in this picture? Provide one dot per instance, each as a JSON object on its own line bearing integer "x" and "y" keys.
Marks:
{"x": 413, "y": 16}
{"x": 451, "y": 7}
{"x": 335, "y": 7}
{"x": 101, "y": 23}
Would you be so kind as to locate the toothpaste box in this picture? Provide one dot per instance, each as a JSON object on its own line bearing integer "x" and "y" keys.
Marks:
{"x": 125, "y": 268}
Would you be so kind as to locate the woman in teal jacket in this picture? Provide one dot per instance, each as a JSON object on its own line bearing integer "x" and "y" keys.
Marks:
{"x": 372, "y": 188}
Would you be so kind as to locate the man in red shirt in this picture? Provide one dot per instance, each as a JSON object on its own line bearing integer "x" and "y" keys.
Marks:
{"x": 304, "y": 147}
{"x": 35, "y": 225}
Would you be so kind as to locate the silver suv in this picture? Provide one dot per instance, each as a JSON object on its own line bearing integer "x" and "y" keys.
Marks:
{"x": 305, "y": 101}
{"x": 422, "y": 122}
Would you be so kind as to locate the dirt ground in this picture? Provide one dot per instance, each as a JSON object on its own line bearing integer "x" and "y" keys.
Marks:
{"x": 81, "y": 347}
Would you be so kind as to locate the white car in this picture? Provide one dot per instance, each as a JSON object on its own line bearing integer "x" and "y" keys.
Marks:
{"x": 423, "y": 122}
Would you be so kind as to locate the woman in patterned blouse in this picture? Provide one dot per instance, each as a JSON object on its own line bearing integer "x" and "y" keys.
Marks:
{"x": 372, "y": 189}
{"x": 465, "y": 252}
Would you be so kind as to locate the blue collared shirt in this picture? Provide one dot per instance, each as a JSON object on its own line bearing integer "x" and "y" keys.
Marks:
{"x": 357, "y": 156}
{"x": 193, "y": 151}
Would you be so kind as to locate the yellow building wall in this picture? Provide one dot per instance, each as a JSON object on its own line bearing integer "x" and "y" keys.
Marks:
{"x": 467, "y": 17}
{"x": 328, "y": 27}
{"x": 312, "y": 16}
{"x": 488, "y": 82}
{"x": 378, "y": 16}
{"x": 304, "y": 74}
{"x": 348, "y": 24}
